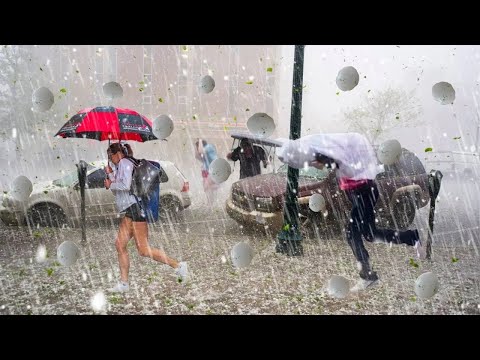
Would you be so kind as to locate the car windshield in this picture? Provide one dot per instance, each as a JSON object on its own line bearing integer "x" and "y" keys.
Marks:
{"x": 70, "y": 178}
{"x": 310, "y": 172}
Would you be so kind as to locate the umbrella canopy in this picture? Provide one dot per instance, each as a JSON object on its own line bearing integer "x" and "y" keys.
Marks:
{"x": 108, "y": 123}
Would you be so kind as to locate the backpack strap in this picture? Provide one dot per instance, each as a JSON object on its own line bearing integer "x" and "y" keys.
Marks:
{"x": 135, "y": 163}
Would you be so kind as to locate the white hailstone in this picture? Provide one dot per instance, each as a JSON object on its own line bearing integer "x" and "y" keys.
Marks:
{"x": 261, "y": 124}
{"x": 41, "y": 255}
{"x": 42, "y": 99}
{"x": 98, "y": 302}
{"x": 219, "y": 170}
{"x": 223, "y": 259}
{"x": 347, "y": 78}
{"x": 162, "y": 126}
{"x": 22, "y": 187}
{"x": 68, "y": 253}
{"x": 338, "y": 286}
{"x": 443, "y": 92}
{"x": 241, "y": 254}
{"x": 426, "y": 285}
{"x": 316, "y": 203}
{"x": 389, "y": 152}
{"x": 113, "y": 90}
{"x": 207, "y": 84}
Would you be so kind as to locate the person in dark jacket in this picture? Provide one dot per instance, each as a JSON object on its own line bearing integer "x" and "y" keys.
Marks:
{"x": 250, "y": 157}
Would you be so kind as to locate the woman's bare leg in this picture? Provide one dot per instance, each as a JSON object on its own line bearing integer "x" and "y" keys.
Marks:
{"x": 124, "y": 235}
{"x": 140, "y": 234}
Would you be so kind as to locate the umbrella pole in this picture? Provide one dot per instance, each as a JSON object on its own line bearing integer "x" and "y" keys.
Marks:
{"x": 82, "y": 176}
{"x": 434, "y": 181}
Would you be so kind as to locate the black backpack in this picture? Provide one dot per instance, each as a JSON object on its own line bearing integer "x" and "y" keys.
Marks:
{"x": 146, "y": 177}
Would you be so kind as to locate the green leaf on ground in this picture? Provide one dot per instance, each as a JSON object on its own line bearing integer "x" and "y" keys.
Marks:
{"x": 428, "y": 149}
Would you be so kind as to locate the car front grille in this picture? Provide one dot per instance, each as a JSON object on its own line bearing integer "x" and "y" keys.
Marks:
{"x": 241, "y": 200}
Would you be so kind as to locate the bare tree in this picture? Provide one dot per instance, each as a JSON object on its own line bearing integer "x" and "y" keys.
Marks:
{"x": 383, "y": 111}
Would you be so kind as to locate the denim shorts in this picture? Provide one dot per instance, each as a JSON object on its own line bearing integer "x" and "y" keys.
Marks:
{"x": 135, "y": 213}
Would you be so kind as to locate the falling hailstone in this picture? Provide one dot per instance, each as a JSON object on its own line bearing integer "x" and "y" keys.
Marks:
{"x": 162, "y": 127}
{"x": 241, "y": 254}
{"x": 347, "y": 78}
{"x": 316, "y": 203}
{"x": 338, "y": 286}
{"x": 41, "y": 255}
{"x": 261, "y": 124}
{"x": 219, "y": 170}
{"x": 113, "y": 90}
{"x": 22, "y": 187}
{"x": 443, "y": 92}
{"x": 207, "y": 84}
{"x": 389, "y": 152}
{"x": 42, "y": 99}
{"x": 426, "y": 285}
{"x": 98, "y": 302}
{"x": 68, "y": 253}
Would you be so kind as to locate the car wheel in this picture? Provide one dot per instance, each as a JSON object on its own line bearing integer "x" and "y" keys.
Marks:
{"x": 170, "y": 209}
{"x": 403, "y": 213}
{"x": 46, "y": 215}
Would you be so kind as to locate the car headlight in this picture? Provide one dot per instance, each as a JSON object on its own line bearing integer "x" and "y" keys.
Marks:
{"x": 263, "y": 203}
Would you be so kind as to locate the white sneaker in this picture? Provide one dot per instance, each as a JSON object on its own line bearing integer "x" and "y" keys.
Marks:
{"x": 182, "y": 271}
{"x": 121, "y": 287}
{"x": 421, "y": 252}
{"x": 363, "y": 284}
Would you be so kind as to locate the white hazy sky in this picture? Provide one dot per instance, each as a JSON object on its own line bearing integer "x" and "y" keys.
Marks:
{"x": 416, "y": 67}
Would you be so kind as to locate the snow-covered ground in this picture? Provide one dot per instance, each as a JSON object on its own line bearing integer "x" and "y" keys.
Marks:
{"x": 272, "y": 284}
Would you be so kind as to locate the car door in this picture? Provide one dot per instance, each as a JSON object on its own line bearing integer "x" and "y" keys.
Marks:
{"x": 98, "y": 199}
{"x": 99, "y": 202}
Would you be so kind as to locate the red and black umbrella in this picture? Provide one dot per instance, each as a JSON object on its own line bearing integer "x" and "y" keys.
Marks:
{"x": 108, "y": 123}
{"x": 104, "y": 123}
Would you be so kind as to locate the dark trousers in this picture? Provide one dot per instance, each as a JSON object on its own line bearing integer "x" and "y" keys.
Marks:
{"x": 362, "y": 223}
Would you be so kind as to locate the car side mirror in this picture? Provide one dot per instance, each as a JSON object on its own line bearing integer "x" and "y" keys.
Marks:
{"x": 434, "y": 181}
{"x": 77, "y": 186}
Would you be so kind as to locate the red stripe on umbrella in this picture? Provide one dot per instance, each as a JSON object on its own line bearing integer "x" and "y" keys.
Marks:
{"x": 108, "y": 123}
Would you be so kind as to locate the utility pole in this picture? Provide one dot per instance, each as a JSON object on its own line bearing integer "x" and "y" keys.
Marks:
{"x": 289, "y": 240}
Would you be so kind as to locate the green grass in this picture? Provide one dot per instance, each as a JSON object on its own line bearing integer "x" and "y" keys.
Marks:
{"x": 115, "y": 299}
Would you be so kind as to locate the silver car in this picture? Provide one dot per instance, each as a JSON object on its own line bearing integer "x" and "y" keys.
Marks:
{"x": 57, "y": 203}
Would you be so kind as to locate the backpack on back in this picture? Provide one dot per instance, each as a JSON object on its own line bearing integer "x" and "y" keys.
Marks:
{"x": 146, "y": 178}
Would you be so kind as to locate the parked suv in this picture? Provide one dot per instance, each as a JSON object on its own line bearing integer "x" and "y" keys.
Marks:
{"x": 258, "y": 201}
{"x": 57, "y": 202}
